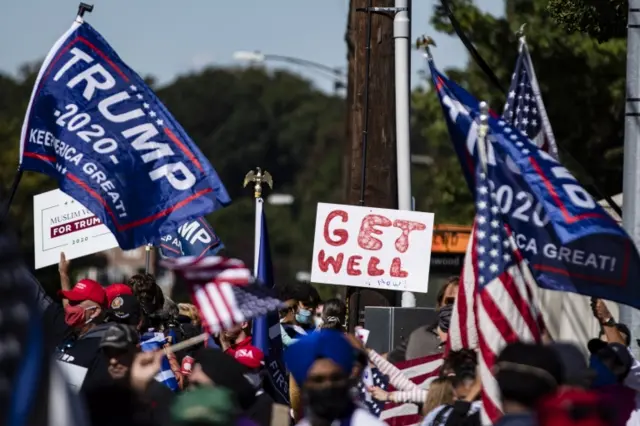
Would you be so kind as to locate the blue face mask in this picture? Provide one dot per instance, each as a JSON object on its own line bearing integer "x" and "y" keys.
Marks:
{"x": 604, "y": 376}
{"x": 303, "y": 316}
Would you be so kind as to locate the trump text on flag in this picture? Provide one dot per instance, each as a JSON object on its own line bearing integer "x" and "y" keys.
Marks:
{"x": 81, "y": 72}
{"x": 370, "y": 247}
{"x": 62, "y": 224}
{"x": 94, "y": 125}
{"x": 195, "y": 238}
{"x": 571, "y": 244}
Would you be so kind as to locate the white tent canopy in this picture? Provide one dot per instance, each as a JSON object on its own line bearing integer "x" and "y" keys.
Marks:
{"x": 616, "y": 199}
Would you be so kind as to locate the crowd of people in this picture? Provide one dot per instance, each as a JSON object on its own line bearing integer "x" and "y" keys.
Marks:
{"x": 120, "y": 337}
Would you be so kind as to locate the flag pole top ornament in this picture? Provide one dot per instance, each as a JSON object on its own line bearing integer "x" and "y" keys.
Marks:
{"x": 520, "y": 32}
{"x": 84, "y": 8}
{"x": 423, "y": 43}
{"x": 520, "y": 35}
{"x": 258, "y": 177}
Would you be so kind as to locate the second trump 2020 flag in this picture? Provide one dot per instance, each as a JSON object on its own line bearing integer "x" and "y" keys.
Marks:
{"x": 194, "y": 238}
{"x": 94, "y": 125}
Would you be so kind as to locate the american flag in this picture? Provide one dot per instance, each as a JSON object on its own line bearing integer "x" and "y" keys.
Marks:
{"x": 223, "y": 291}
{"x": 372, "y": 377}
{"x": 505, "y": 307}
{"x": 524, "y": 109}
{"x": 421, "y": 371}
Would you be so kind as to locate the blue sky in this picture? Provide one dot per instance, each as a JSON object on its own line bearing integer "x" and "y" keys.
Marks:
{"x": 166, "y": 38}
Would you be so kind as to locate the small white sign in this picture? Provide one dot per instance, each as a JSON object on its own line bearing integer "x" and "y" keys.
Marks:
{"x": 74, "y": 374}
{"x": 62, "y": 224}
{"x": 362, "y": 334}
{"x": 369, "y": 247}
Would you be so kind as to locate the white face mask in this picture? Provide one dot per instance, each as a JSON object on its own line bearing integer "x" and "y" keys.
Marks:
{"x": 318, "y": 321}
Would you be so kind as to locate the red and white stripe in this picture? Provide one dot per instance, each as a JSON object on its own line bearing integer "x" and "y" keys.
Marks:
{"x": 463, "y": 333}
{"x": 421, "y": 371}
{"x": 211, "y": 280}
{"x": 504, "y": 311}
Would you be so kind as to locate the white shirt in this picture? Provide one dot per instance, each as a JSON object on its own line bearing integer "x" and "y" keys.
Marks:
{"x": 361, "y": 417}
{"x": 633, "y": 381}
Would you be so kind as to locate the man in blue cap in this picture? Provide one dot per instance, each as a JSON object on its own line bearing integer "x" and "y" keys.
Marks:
{"x": 321, "y": 363}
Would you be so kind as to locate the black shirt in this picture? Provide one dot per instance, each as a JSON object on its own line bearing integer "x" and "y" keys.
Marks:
{"x": 83, "y": 351}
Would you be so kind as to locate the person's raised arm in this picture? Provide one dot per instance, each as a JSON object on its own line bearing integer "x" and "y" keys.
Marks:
{"x": 608, "y": 323}
{"x": 65, "y": 281}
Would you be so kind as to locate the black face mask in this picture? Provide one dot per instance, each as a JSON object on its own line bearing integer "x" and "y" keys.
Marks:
{"x": 330, "y": 403}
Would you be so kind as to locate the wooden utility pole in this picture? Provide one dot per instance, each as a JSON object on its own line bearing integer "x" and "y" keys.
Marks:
{"x": 380, "y": 173}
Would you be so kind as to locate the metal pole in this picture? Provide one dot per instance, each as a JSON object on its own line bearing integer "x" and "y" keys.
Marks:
{"x": 147, "y": 258}
{"x": 631, "y": 171}
{"x": 12, "y": 193}
{"x": 402, "y": 36}
{"x": 336, "y": 72}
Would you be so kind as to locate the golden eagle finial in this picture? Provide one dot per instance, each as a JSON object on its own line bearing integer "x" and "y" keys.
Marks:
{"x": 258, "y": 177}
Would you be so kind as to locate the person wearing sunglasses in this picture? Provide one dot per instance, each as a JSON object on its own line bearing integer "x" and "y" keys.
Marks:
{"x": 429, "y": 339}
{"x": 322, "y": 362}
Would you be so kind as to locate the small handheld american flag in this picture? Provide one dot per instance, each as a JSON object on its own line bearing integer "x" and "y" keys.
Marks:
{"x": 372, "y": 377}
{"x": 223, "y": 290}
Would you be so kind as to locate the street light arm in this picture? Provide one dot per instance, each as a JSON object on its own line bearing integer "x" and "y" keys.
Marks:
{"x": 305, "y": 62}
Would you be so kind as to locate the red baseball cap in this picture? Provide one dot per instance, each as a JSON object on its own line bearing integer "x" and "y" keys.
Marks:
{"x": 115, "y": 290}
{"x": 86, "y": 289}
{"x": 250, "y": 356}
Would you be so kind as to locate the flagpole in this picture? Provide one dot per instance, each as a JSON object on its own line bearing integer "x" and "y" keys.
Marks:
{"x": 4, "y": 213}
{"x": 258, "y": 178}
{"x": 483, "y": 129}
{"x": 631, "y": 166}
{"x": 147, "y": 258}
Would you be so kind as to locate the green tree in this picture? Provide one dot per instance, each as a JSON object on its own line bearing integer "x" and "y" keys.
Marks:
{"x": 582, "y": 84}
{"x": 601, "y": 19}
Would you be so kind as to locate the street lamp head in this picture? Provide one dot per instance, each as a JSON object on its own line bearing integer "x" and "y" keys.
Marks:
{"x": 248, "y": 56}
{"x": 280, "y": 199}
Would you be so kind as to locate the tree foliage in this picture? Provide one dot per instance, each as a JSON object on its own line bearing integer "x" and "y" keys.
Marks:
{"x": 601, "y": 19}
{"x": 582, "y": 84}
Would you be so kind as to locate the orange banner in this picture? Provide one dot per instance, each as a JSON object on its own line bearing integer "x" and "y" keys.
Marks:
{"x": 450, "y": 239}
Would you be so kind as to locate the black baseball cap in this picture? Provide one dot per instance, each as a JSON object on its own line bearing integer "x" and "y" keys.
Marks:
{"x": 617, "y": 353}
{"x": 125, "y": 309}
{"x": 119, "y": 336}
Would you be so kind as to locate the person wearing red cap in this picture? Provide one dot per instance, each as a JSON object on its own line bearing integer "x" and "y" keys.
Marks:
{"x": 79, "y": 326}
{"x": 115, "y": 290}
{"x": 236, "y": 338}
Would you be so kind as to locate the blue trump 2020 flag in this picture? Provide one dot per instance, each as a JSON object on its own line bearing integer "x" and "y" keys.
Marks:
{"x": 266, "y": 329}
{"x": 194, "y": 238}
{"x": 569, "y": 241}
{"x": 94, "y": 125}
